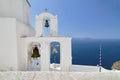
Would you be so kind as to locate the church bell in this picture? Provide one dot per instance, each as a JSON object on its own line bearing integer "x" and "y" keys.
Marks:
{"x": 46, "y": 23}
{"x": 54, "y": 50}
{"x": 35, "y": 53}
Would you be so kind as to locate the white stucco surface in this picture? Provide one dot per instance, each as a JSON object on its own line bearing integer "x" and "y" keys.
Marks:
{"x": 65, "y": 51}
{"x": 22, "y": 30}
{"x": 40, "y": 24}
{"x": 8, "y": 44}
{"x": 11, "y": 32}
{"x": 79, "y": 68}
{"x": 15, "y": 22}
{"x": 60, "y": 75}
{"x": 18, "y": 9}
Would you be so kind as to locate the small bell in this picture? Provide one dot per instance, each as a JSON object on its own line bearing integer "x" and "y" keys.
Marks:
{"x": 35, "y": 53}
{"x": 46, "y": 23}
{"x": 54, "y": 50}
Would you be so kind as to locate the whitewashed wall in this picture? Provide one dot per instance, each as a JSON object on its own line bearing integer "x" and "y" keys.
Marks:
{"x": 18, "y": 9}
{"x": 59, "y": 76}
{"x": 11, "y": 32}
{"x": 22, "y": 30}
{"x": 65, "y": 51}
{"x": 15, "y": 22}
{"x": 40, "y": 26}
{"x": 8, "y": 44}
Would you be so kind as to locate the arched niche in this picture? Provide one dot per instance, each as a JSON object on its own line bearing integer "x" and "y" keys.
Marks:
{"x": 40, "y": 24}
{"x": 55, "y": 55}
{"x": 34, "y": 62}
{"x": 46, "y": 28}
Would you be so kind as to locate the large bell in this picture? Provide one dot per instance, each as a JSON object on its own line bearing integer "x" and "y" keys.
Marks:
{"x": 46, "y": 23}
{"x": 35, "y": 53}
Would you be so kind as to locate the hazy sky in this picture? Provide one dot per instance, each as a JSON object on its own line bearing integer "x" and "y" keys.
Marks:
{"x": 82, "y": 18}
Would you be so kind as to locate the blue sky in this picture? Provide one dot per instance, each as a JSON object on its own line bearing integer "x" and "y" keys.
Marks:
{"x": 82, "y": 18}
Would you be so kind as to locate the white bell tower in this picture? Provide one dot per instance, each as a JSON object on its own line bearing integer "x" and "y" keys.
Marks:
{"x": 48, "y": 45}
{"x": 40, "y": 21}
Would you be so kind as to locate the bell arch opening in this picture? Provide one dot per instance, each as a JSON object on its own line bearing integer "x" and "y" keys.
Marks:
{"x": 55, "y": 56}
{"x": 34, "y": 56}
{"x": 48, "y": 22}
{"x": 46, "y": 27}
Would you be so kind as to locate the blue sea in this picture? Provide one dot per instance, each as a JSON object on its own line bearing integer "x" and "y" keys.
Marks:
{"x": 86, "y": 52}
